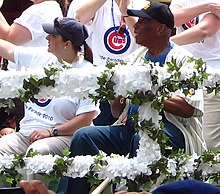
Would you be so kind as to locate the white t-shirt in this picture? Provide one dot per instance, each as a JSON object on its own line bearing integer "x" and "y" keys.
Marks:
{"x": 208, "y": 49}
{"x": 47, "y": 113}
{"x": 190, "y": 127}
{"x": 106, "y": 44}
{"x": 32, "y": 18}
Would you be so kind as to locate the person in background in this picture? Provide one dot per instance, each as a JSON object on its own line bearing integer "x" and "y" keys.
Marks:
{"x": 201, "y": 36}
{"x": 9, "y": 120}
{"x": 27, "y": 30}
{"x": 48, "y": 124}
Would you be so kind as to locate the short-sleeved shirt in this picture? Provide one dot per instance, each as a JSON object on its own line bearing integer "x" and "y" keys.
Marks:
{"x": 46, "y": 112}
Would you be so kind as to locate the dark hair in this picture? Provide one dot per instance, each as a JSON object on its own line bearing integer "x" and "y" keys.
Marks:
{"x": 16, "y": 113}
{"x": 64, "y": 5}
{"x": 88, "y": 55}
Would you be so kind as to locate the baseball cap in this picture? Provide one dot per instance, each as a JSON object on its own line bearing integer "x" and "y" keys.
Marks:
{"x": 187, "y": 186}
{"x": 69, "y": 28}
{"x": 155, "y": 10}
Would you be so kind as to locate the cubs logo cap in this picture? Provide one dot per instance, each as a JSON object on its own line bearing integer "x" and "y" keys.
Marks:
{"x": 155, "y": 10}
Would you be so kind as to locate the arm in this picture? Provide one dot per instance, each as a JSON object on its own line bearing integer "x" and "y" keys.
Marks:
{"x": 130, "y": 21}
{"x": 34, "y": 186}
{"x": 15, "y": 33}
{"x": 75, "y": 123}
{"x": 117, "y": 106}
{"x": 207, "y": 27}
{"x": 7, "y": 50}
{"x": 67, "y": 128}
{"x": 178, "y": 106}
{"x": 183, "y": 15}
{"x": 85, "y": 16}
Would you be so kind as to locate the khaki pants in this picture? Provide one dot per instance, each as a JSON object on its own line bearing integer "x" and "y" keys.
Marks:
{"x": 16, "y": 143}
{"x": 211, "y": 120}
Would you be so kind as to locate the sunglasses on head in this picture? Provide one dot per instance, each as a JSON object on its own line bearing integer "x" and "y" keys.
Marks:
{"x": 57, "y": 23}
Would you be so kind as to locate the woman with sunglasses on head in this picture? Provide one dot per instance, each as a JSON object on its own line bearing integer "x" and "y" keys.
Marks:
{"x": 37, "y": 132}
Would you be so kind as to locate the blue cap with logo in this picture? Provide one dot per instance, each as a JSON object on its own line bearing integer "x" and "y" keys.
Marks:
{"x": 154, "y": 10}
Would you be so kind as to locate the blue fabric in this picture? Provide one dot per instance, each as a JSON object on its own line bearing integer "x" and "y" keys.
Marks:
{"x": 105, "y": 117}
{"x": 162, "y": 58}
{"x": 176, "y": 139}
{"x": 187, "y": 187}
{"x": 88, "y": 141}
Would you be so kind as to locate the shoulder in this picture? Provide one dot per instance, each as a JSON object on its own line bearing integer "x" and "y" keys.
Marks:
{"x": 179, "y": 54}
{"x": 82, "y": 63}
{"x": 180, "y": 3}
{"x": 39, "y": 13}
{"x": 136, "y": 56}
{"x": 33, "y": 57}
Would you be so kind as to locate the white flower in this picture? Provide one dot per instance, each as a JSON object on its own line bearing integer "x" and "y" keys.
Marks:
{"x": 40, "y": 164}
{"x": 131, "y": 78}
{"x": 80, "y": 166}
{"x": 149, "y": 150}
{"x": 6, "y": 162}
{"x": 172, "y": 167}
{"x": 147, "y": 113}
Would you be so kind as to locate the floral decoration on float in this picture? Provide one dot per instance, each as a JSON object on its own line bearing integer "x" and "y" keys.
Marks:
{"x": 146, "y": 85}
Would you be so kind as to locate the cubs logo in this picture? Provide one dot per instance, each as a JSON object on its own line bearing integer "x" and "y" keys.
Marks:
{"x": 117, "y": 43}
{"x": 191, "y": 23}
{"x": 42, "y": 102}
{"x": 147, "y": 6}
{"x": 191, "y": 91}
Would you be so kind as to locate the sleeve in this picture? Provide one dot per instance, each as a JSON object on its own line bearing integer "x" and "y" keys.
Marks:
{"x": 33, "y": 17}
{"x": 71, "y": 13}
{"x": 196, "y": 101}
{"x": 74, "y": 5}
{"x": 32, "y": 20}
{"x": 178, "y": 2}
{"x": 32, "y": 57}
{"x": 195, "y": 98}
{"x": 87, "y": 105}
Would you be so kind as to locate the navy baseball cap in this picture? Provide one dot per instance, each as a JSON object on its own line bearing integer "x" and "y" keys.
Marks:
{"x": 187, "y": 187}
{"x": 154, "y": 10}
{"x": 69, "y": 28}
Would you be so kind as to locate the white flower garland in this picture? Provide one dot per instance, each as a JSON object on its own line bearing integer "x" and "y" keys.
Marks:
{"x": 82, "y": 82}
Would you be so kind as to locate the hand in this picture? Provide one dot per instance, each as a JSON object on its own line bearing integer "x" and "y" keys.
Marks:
{"x": 34, "y": 186}
{"x": 38, "y": 134}
{"x": 123, "y": 6}
{"x": 6, "y": 131}
{"x": 215, "y": 9}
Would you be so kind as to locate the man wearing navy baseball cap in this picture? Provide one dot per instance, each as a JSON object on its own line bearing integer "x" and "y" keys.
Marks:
{"x": 157, "y": 11}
